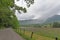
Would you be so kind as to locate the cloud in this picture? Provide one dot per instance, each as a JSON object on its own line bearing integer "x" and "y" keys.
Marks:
{"x": 41, "y": 9}
{"x": 24, "y": 16}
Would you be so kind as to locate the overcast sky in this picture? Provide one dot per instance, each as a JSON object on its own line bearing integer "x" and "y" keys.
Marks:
{"x": 41, "y": 9}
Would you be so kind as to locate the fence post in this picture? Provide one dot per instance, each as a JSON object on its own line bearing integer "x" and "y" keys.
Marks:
{"x": 24, "y": 31}
{"x": 31, "y": 34}
{"x": 56, "y": 38}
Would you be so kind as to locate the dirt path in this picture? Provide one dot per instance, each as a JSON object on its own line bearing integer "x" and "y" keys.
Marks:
{"x": 9, "y": 34}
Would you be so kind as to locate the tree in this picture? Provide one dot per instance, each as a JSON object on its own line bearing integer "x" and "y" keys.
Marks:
{"x": 56, "y": 25}
{"x": 7, "y": 16}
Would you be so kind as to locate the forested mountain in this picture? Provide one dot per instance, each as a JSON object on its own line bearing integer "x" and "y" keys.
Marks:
{"x": 32, "y": 21}
{"x": 55, "y": 18}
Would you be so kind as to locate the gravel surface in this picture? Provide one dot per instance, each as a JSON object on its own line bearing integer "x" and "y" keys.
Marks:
{"x": 9, "y": 34}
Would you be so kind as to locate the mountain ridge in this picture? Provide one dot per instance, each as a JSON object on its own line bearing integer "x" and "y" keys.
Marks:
{"x": 54, "y": 18}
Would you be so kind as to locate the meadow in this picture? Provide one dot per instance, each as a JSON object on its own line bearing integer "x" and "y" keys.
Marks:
{"x": 41, "y": 33}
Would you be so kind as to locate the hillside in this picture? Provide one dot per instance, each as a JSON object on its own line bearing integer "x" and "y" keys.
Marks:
{"x": 29, "y": 22}
{"x": 55, "y": 18}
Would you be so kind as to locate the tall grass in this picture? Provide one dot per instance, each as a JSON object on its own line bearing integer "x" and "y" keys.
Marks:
{"x": 27, "y": 35}
{"x": 44, "y": 33}
{"x": 21, "y": 33}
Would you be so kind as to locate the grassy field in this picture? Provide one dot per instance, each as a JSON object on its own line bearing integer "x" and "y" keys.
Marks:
{"x": 42, "y": 33}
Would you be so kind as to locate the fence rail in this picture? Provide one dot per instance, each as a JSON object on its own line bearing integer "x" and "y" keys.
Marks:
{"x": 31, "y": 33}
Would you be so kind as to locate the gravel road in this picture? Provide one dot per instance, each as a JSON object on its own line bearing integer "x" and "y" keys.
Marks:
{"x": 9, "y": 34}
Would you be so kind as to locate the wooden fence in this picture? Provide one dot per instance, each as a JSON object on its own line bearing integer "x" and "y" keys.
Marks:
{"x": 32, "y": 33}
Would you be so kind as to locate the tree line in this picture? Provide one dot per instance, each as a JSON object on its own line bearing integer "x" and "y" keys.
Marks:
{"x": 7, "y": 16}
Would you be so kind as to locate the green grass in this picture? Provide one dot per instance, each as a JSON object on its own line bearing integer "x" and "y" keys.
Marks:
{"x": 51, "y": 33}
{"x": 40, "y": 33}
{"x": 46, "y": 32}
{"x": 21, "y": 33}
{"x": 2, "y": 27}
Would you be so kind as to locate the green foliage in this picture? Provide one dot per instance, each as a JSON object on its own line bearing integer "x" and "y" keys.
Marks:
{"x": 10, "y": 3}
{"x": 7, "y": 21}
{"x": 31, "y": 25}
{"x": 29, "y": 2}
{"x": 7, "y": 16}
{"x": 21, "y": 33}
{"x": 56, "y": 25}
{"x": 6, "y": 3}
